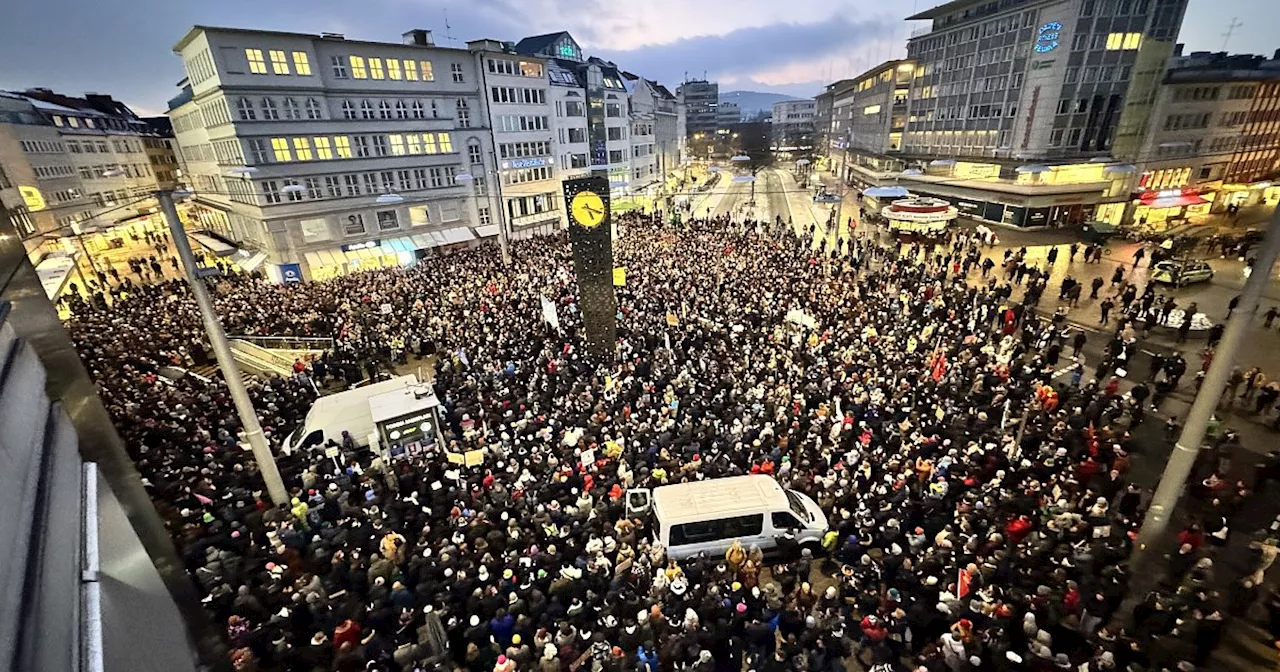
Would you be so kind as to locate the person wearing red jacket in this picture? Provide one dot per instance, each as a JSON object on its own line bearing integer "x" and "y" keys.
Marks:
{"x": 873, "y": 629}
{"x": 1017, "y": 529}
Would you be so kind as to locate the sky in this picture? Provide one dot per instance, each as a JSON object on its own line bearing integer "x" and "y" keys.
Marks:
{"x": 124, "y": 47}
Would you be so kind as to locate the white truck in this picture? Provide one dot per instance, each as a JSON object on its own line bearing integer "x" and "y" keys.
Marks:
{"x": 398, "y": 413}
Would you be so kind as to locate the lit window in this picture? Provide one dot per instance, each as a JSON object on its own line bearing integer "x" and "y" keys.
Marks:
{"x": 75, "y": 123}
{"x": 323, "y": 150}
{"x": 446, "y": 143}
{"x": 393, "y": 68}
{"x": 397, "y": 145}
{"x": 1132, "y": 40}
{"x": 375, "y": 68}
{"x": 357, "y": 68}
{"x": 429, "y": 143}
{"x": 279, "y": 62}
{"x": 257, "y": 65}
{"x": 871, "y": 109}
{"x": 280, "y": 148}
{"x": 343, "y": 145}
{"x": 302, "y": 149}
{"x": 411, "y": 70}
{"x": 1114, "y": 41}
{"x": 415, "y": 144}
{"x": 428, "y": 75}
{"x": 300, "y": 63}
{"x": 57, "y": 121}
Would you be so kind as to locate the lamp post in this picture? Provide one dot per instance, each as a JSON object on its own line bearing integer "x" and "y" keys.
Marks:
{"x": 222, "y": 352}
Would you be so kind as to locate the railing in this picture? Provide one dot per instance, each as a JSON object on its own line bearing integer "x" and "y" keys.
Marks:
{"x": 923, "y": 30}
{"x": 287, "y": 342}
{"x": 256, "y": 357}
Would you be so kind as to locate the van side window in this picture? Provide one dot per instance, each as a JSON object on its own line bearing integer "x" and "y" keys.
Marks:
{"x": 716, "y": 530}
{"x": 784, "y": 521}
{"x": 313, "y": 439}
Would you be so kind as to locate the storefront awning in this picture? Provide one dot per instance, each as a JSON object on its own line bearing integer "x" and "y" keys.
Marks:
{"x": 458, "y": 234}
{"x": 213, "y": 244}
{"x": 1174, "y": 201}
{"x": 250, "y": 263}
{"x": 486, "y": 231}
{"x": 404, "y": 244}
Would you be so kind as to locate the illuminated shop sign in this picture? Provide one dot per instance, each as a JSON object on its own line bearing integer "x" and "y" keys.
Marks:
{"x": 528, "y": 163}
{"x": 366, "y": 245}
{"x": 1047, "y": 37}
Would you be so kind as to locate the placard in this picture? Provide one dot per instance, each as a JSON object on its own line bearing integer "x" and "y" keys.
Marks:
{"x": 474, "y": 458}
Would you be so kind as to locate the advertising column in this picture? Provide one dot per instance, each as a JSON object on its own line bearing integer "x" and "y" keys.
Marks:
{"x": 587, "y": 200}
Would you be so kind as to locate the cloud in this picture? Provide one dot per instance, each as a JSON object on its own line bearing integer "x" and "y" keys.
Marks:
{"x": 775, "y": 54}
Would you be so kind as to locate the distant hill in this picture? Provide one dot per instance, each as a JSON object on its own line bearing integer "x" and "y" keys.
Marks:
{"x": 752, "y": 102}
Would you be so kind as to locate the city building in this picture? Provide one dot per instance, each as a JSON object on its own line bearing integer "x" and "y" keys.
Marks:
{"x": 70, "y": 164}
{"x": 1025, "y": 113}
{"x": 325, "y": 156}
{"x": 826, "y": 147}
{"x": 792, "y": 124}
{"x": 727, "y": 114}
{"x": 868, "y": 116}
{"x": 1214, "y": 140}
{"x": 700, "y": 101}
{"x": 653, "y": 111}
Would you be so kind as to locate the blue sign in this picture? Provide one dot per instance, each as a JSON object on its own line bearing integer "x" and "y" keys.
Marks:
{"x": 1047, "y": 37}
{"x": 529, "y": 163}
{"x": 291, "y": 272}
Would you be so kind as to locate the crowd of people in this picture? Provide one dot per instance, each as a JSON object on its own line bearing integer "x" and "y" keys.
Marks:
{"x": 980, "y": 508}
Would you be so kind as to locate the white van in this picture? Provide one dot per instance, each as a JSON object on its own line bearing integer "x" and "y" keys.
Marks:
{"x": 707, "y": 516}
{"x": 345, "y": 411}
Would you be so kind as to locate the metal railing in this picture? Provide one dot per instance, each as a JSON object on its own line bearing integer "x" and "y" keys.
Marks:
{"x": 257, "y": 357}
{"x": 286, "y": 342}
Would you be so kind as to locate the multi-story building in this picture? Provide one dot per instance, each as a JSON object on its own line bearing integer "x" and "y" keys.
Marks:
{"x": 90, "y": 162}
{"x": 1022, "y": 112}
{"x": 868, "y": 116}
{"x": 727, "y": 114}
{"x": 329, "y": 155}
{"x": 655, "y": 143}
{"x": 701, "y": 103}
{"x": 1213, "y": 137}
{"x": 792, "y": 124}
{"x": 827, "y": 151}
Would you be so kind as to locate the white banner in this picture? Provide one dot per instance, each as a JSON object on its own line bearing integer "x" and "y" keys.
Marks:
{"x": 549, "y": 313}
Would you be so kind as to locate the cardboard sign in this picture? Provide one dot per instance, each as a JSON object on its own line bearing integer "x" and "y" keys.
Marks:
{"x": 455, "y": 458}
{"x": 474, "y": 458}
{"x": 619, "y": 277}
{"x": 333, "y": 451}
{"x": 672, "y": 320}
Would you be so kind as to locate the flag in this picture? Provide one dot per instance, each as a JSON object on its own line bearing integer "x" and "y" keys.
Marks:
{"x": 939, "y": 367}
{"x": 962, "y": 583}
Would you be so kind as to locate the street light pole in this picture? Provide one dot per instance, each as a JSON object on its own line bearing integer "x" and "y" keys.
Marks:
{"x": 222, "y": 351}
{"x": 1180, "y": 463}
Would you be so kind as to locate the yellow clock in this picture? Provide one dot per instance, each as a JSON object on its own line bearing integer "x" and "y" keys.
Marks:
{"x": 587, "y": 209}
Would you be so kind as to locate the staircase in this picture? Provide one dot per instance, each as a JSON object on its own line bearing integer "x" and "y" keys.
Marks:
{"x": 211, "y": 372}
{"x": 1246, "y": 645}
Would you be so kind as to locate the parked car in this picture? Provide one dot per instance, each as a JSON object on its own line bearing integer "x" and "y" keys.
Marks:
{"x": 1180, "y": 273}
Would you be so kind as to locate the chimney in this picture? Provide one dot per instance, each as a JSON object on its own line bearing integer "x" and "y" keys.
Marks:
{"x": 419, "y": 37}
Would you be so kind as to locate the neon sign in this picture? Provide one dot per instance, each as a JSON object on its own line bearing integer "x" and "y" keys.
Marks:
{"x": 1047, "y": 37}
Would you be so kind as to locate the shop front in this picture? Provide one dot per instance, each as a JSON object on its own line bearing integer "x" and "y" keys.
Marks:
{"x": 1233, "y": 196}
{"x": 1020, "y": 210}
{"x": 401, "y": 252}
{"x": 1168, "y": 208}
{"x": 919, "y": 217}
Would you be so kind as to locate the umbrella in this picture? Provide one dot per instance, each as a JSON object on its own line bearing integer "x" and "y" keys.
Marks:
{"x": 887, "y": 192}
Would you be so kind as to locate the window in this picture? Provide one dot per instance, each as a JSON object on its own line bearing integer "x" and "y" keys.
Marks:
{"x": 402, "y": 112}
{"x": 300, "y": 63}
{"x": 577, "y": 135}
{"x": 280, "y": 149}
{"x": 464, "y": 114}
{"x": 455, "y": 69}
{"x": 339, "y": 66}
{"x": 410, "y": 70}
{"x": 419, "y": 178}
{"x": 574, "y": 108}
{"x": 480, "y": 186}
{"x": 717, "y": 530}
{"x": 313, "y": 109}
{"x": 357, "y": 68}
{"x": 348, "y": 110}
{"x": 484, "y": 216}
{"x": 429, "y": 143}
{"x": 1132, "y": 41}
{"x": 384, "y": 109}
{"x": 442, "y": 177}
{"x": 617, "y": 155}
{"x": 428, "y": 75}
{"x": 269, "y": 111}
{"x": 1072, "y": 75}
{"x": 271, "y": 191}
{"x": 393, "y": 69}
{"x": 1114, "y": 40}
{"x": 1073, "y": 138}
{"x": 259, "y": 151}
{"x": 257, "y": 65}
{"x": 473, "y": 154}
{"x": 387, "y": 220}
{"x": 342, "y": 145}
{"x": 245, "y": 108}
{"x": 614, "y": 133}
{"x": 380, "y": 145}
{"x": 446, "y": 143}
{"x": 612, "y": 110}
{"x": 530, "y": 69}
{"x": 375, "y": 68}
{"x": 783, "y": 520}
{"x": 397, "y": 144}
{"x": 323, "y": 150}
{"x": 302, "y": 149}
{"x": 279, "y": 62}
{"x": 415, "y": 143}
{"x": 366, "y": 109}
{"x": 1125, "y": 41}
{"x": 354, "y": 225}
{"x": 291, "y": 109}
{"x": 417, "y": 111}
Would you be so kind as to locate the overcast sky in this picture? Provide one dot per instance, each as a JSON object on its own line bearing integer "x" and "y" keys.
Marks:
{"x": 123, "y": 47}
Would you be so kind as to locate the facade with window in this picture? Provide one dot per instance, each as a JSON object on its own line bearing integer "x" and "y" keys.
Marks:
{"x": 1214, "y": 138}
{"x": 793, "y": 124}
{"x": 331, "y": 155}
{"x": 88, "y": 162}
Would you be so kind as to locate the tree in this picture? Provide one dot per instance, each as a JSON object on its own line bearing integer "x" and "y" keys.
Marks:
{"x": 752, "y": 141}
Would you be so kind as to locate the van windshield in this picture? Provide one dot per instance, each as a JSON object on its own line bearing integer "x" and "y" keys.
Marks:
{"x": 798, "y": 507}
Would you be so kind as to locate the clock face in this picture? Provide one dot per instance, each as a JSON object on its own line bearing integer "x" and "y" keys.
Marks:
{"x": 587, "y": 209}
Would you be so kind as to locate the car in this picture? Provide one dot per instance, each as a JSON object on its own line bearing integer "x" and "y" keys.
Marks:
{"x": 1181, "y": 273}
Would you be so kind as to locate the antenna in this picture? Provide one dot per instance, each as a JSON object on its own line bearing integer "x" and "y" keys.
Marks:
{"x": 448, "y": 35}
{"x": 1231, "y": 28}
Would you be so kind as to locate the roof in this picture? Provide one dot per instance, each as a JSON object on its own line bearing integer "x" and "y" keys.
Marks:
{"x": 718, "y": 498}
{"x": 946, "y": 8}
{"x": 196, "y": 29}
{"x": 535, "y": 44}
{"x": 401, "y": 401}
